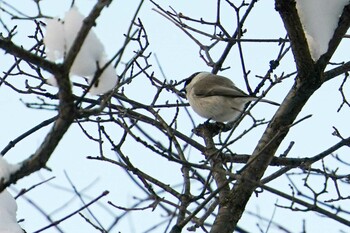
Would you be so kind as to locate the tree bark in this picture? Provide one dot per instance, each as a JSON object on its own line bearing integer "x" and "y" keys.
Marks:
{"x": 310, "y": 77}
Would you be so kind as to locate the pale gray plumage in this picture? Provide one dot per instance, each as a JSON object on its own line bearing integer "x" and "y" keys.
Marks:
{"x": 216, "y": 97}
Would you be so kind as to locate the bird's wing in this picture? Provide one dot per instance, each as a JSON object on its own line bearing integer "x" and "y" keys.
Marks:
{"x": 221, "y": 91}
{"x": 213, "y": 86}
{"x": 221, "y": 86}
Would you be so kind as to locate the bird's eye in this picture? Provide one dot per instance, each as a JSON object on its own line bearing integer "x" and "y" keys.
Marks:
{"x": 189, "y": 79}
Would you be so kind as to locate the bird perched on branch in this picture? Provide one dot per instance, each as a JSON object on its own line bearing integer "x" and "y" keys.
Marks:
{"x": 215, "y": 97}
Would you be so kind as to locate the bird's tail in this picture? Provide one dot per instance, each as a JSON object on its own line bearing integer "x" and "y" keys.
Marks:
{"x": 270, "y": 102}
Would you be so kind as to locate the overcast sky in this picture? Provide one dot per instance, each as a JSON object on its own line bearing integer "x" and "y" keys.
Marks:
{"x": 179, "y": 58}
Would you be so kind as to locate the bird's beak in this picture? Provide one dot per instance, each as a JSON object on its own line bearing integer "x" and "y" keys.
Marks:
{"x": 182, "y": 93}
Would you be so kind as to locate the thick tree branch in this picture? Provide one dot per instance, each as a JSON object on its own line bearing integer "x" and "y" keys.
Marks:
{"x": 309, "y": 79}
{"x": 330, "y": 74}
{"x": 66, "y": 107}
{"x": 294, "y": 28}
{"x": 9, "y": 47}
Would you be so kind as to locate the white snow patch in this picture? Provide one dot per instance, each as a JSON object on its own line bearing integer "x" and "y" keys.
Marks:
{"x": 320, "y": 19}
{"x": 59, "y": 38}
{"x": 8, "y": 212}
{"x": 8, "y": 205}
{"x": 6, "y": 168}
{"x": 54, "y": 39}
{"x": 92, "y": 50}
{"x": 104, "y": 83}
{"x": 52, "y": 81}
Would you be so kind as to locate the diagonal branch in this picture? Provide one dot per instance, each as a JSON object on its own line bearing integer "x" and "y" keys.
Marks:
{"x": 292, "y": 23}
{"x": 66, "y": 107}
{"x": 20, "y": 52}
{"x": 309, "y": 79}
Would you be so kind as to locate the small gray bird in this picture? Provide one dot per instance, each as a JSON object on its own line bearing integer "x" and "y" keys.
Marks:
{"x": 215, "y": 97}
